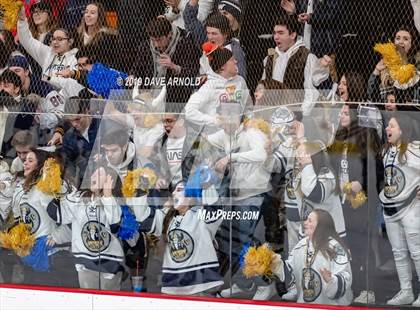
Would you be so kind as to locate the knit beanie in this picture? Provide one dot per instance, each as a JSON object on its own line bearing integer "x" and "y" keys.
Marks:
{"x": 231, "y": 6}
{"x": 216, "y": 55}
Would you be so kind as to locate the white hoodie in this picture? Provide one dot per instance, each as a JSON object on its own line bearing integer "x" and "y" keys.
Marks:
{"x": 250, "y": 173}
{"x": 50, "y": 62}
{"x": 202, "y": 106}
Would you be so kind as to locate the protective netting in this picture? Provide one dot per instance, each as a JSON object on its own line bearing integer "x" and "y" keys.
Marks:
{"x": 156, "y": 145}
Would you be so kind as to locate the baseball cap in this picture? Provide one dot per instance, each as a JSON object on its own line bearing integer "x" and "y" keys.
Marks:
{"x": 282, "y": 116}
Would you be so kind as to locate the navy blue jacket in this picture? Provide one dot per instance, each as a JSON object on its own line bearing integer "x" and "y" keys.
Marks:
{"x": 76, "y": 151}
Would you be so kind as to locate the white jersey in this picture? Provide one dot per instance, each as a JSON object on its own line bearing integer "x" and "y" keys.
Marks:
{"x": 402, "y": 180}
{"x": 306, "y": 191}
{"x": 31, "y": 208}
{"x": 52, "y": 106}
{"x": 190, "y": 263}
{"x": 318, "y": 192}
{"x": 6, "y": 194}
{"x": 286, "y": 165}
{"x": 303, "y": 267}
{"x": 94, "y": 224}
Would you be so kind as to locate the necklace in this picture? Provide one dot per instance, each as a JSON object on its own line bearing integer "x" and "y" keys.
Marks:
{"x": 310, "y": 255}
{"x": 310, "y": 281}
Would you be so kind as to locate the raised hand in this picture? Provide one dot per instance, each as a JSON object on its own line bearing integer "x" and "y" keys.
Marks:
{"x": 289, "y": 6}
{"x": 22, "y": 14}
{"x": 325, "y": 61}
{"x": 221, "y": 164}
{"x": 172, "y": 3}
{"x": 108, "y": 184}
{"x": 304, "y": 17}
{"x": 379, "y": 67}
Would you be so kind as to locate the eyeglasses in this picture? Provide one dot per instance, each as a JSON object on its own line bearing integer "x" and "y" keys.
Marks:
{"x": 168, "y": 121}
{"x": 82, "y": 66}
{"x": 58, "y": 39}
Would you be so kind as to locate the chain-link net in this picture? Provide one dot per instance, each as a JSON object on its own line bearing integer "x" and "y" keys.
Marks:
{"x": 266, "y": 150}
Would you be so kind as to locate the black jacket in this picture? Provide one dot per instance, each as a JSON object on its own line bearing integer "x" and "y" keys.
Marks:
{"x": 186, "y": 55}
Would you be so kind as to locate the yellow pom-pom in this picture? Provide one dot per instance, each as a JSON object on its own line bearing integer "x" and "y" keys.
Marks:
{"x": 9, "y": 12}
{"x": 51, "y": 181}
{"x": 18, "y": 239}
{"x": 143, "y": 178}
{"x": 257, "y": 261}
{"x": 259, "y": 124}
{"x": 151, "y": 120}
{"x": 347, "y": 188}
{"x": 358, "y": 200}
{"x": 399, "y": 71}
{"x": 404, "y": 73}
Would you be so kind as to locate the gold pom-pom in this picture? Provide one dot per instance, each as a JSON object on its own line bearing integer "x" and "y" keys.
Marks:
{"x": 347, "y": 188}
{"x": 143, "y": 178}
{"x": 9, "y": 13}
{"x": 259, "y": 124}
{"x": 358, "y": 200}
{"x": 151, "y": 120}
{"x": 399, "y": 71}
{"x": 50, "y": 182}
{"x": 257, "y": 261}
{"x": 18, "y": 239}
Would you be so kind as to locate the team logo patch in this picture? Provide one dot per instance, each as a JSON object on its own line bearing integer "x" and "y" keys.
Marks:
{"x": 307, "y": 208}
{"x": 340, "y": 255}
{"x": 181, "y": 245}
{"x": 394, "y": 181}
{"x": 31, "y": 217}
{"x": 95, "y": 236}
{"x": 311, "y": 284}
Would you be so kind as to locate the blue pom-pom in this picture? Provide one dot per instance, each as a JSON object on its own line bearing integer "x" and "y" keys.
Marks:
{"x": 242, "y": 254}
{"x": 129, "y": 225}
{"x": 202, "y": 175}
{"x": 38, "y": 258}
{"x": 102, "y": 80}
{"x": 193, "y": 188}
